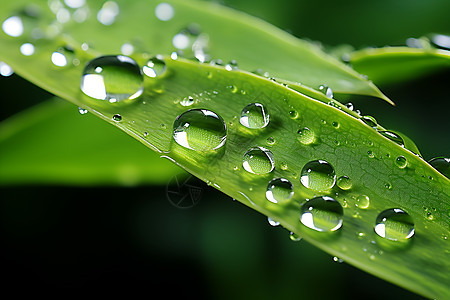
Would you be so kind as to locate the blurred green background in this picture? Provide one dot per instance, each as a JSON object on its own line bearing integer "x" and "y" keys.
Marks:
{"x": 61, "y": 238}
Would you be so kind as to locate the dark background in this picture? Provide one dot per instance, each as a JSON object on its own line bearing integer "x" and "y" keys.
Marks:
{"x": 60, "y": 240}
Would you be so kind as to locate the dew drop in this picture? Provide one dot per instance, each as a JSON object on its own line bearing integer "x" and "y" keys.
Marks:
{"x": 254, "y": 116}
{"x": 350, "y": 106}
{"x": 393, "y": 137}
{"x": 155, "y": 67}
{"x": 27, "y": 49}
{"x": 322, "y": 214}
{"x": 442, "y": 165}
{"x": 270, "y": 141}
{"x": 258, "y": 160}
{"x": 336, "y": 125}
{"x": 326, "y": 90}
{"x": 113, "y": 78}
{"x": 272, "y": 222}
{"x": 370, "y": 154}
{"x": 388, "y": 186}
{"x": 117, "y": 118}
{"x": 164, "y": 11}
{"x": 82, "y": 111}
{"x": 338, "y": 260}
{"x": 13, "y": 26}
{"x": 127, "y": 49}
{"x": 108, "y": 13}
{"x": 401, "y": 162}
{"x": 394, "y": 224}
{"x": 232, "y": 65}
{"x": 306, "y": 136}
{"x": 187, "y": 101}
{"x": 200, "y": 129}
{"x": 294, "y": 237}
{"x": 279, "y": 190}
{"x": 344, "y": 183}
{"x": 318, "y": 175}
{"x": 293, "y": 114}
{"x": 362, "y": 201}
{"x": 5, "y": 69}
{"x": 370, "y": 121}
{"x": 63, "y": 56}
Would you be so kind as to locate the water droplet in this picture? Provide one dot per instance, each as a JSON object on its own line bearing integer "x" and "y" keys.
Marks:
{"x": 362, "y": 201}
{"x": 193, "y": 43}
{"x": 388, "y": 186}
{"x": 164, "y": 11}
{"x": 5, "y": 69}
{"x": 393, "y": 137}
{"x": 344, "y": 183}
{"x": 336, "y": 125}
{"x": 112, "y": 78}
{"x": 127, "y": 49}
{"x": 155, "y": 67}
{"x": 27, "y": 49}
{"x": 394, "y": 224}
{"x": 370, "y": 154}
{"x": 258, "y": 160}
{"x": 13, "y": 26}
{"x": 326, "y": 90}
{"x": 117, "y": 118}
{"x": 272, "y": 222}
{"x": 279, "y": 190}
{"x": 233, "y": 88}
{"x": 350, "y": 106}
{"x": 306, "y": 136}
{"x": 322, "y": 214}
{"x": 401, "y": 162}
{"x": 108, "y": 13}
{"x": 318, "y": 175}
{"x": 63, "y": 56}
{"x": 430, "y": 216}
{"x": 254, "y": 116}
{"x": 442, "y": 165}
{"x": 441, "y": 41}
{"x": 270, "y": 141}
{"x": 187, "y": 101}
{"x": 75, "y": 3}
{"x": 200, "y": 129}
{"x": 370, "y": 121}
{"x": 294, "y": 237}
{"x": 338, "y": 260}
{"x": 293, "y": 114}
{"x": 82, "y": 111}
{"x": 232, "y": 65}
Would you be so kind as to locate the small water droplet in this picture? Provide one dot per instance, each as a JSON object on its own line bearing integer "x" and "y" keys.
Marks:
{"x": 155, "y": 67}
{"x": 388, "y": 186}
{"x": 441, "y": 41}
{"x": 200, "y": 129}
{"x": 279, "y": 190}
{"x": 187, "y": 101}
{"x": 360, "y": 235}
{"x": 293, "y": 114}
{"x": 27, "y": 49}
{"x": 233, "y": 88}
{"x": 5, "y": 69}
{"x": 294, "y": 237}
{"x": 82, "y": 111}
{"x": 326, "y": 90}
{"x": 209, "y": 75}
{"x": 232, "y": 65}
{"x": 318, "y": 175}
{"x": 394, "y": 224}
{"x": 350, "y": 106}
{"x": 306, "y": 136}
{"x": 258, "y": 160}
{"x": 254, "y": 116}
{"x": 430, "y": 216}
{"x": 117, "y": 118}
{"x": 270, "y": 141}
{"x": 338, "y": 260}
{"x": 362, "y": 201}
{"x": 344, "y": 183}
{"x": 322, "y": 214}
{"x": 442, "y": 165}
{"x": 370, "y": 154}
{"x": 284, "y": 166}
{"x": 113, "y": 78}
{"x": 164, "y": 11}
{"x": 370, "y": 121}
{"x": 13, "y": 26}
{"x": 272, "y": 222}
{"x": 401, "y": 162}
{"x": 108, "y": 13}
{"x": 336, "y": 125}
{"x": 393, "y": 137}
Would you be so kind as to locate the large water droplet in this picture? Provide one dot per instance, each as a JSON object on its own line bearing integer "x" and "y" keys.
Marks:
{"x": 322, "y": 214}
{"x": 318, "y": 175}
{"x": 306, "y": 136}
{"x": 155, "y": 67}
{"x": 279, "y": 190}
{"x": 394, "y": 224}
{"x": 401, "y": 162}
{"x": 254, "y": 116}
{"x": 370, "y": 121}
{"x": 442, "y": 165}
{"x": 112, "y": 78}
{"x": 393, "y": 137}
{"x": 200, "y": 129}
{"x": 258, "y": 160}
{"x": 344, "y": 183}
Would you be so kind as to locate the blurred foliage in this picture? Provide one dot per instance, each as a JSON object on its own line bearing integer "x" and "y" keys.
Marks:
{"x": 75, "y": 239}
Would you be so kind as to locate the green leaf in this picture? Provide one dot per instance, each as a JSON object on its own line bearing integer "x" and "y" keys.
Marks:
{"x": 229, "y": 35}
{"x": 53, "y": 144}
{"x": 391, "y": 65}
{"x": 351, "y": 147}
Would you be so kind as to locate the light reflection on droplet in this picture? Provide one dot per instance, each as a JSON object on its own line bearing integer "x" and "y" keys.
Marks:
{"x": 180, "y": 41}
{"x": 127, "y": 49}
{"x": 13, "y": 26}
{"x": 108, "y": 13}
{"x": 75, "y": 3}
{"x": 27, "y": 49}
{"x": 5, "y": 70}
{"x": 164, "y": 11}
{"x": 58, "y": 59}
